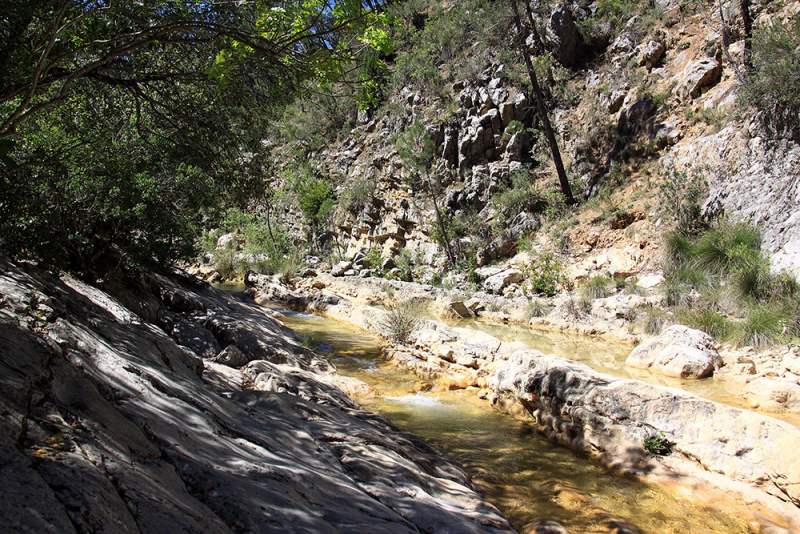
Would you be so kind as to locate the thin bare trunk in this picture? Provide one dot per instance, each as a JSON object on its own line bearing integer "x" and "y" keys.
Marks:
{"x": 542, "y": 109}
{"x": 440, "y": 220}
{"x": 739, "y": 75}
{"x": 744, "y": 8}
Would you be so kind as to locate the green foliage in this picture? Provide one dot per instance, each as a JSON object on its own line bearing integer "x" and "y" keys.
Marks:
{"x": 680, "y": 197}
{"x": 596, "y": 287}
{"x": 315, "y": 198}
{"x": 123, "y": 148}
{"x": 521, "y": 194}
{"x": 767, "y": 325}
{"x": 450, "y": 43}
{"x": 358, "y": 195}
{"x": 402, "y": 318}
{"x": 653, "y": 319}
{"x": 709, "y": 321}
{"x": 536, "y": 308}
{"x": 723, "y": 270}
{"x": 543, "y": 275}
{"x": 577, "y": 307}
{"x": 773, "y": 81}
{"x": 373, "y": 259}
{"x": 658, "y": 445}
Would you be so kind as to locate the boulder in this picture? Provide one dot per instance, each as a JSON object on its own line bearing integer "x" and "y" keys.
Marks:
{"x": 679, "y": 351}
{"x": 612, "y": 417}
{"x": 341, "y": 268}
{"x": 698, "y": 75}
{"x": 563, "y": 37}
{"x": 634, "y": 118}
{"x": 227, "y": 241}
{"x": 505, "y": 243}
{"x": 773, "y": 395}
{"x": 106, "y": 427}
{"x": 651, "y": 53}
{"x": 499, "y": 281}
{"x": 231, "y": 356}
{"x": 461, "y": 310}
{"x": 666, "y": 136}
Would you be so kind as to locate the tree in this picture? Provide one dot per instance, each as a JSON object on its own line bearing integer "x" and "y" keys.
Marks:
{"x": 125, "y": 126}
{"x": 541, "y": 108}
{"x": 417, "y": 151}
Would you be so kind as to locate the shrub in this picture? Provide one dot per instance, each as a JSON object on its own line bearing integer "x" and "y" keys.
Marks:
{"x": 577, "y": 307}
{"x": 773, "y": 81}
{"x": 658, "y": 445}
{"x": 226, "y": 261}
{"x": 358, "y": 195}
{"x": 401, "y": 319}
{"x": 763, "y": 326}
{"x": 681, "y": 285}
{"x": 536, "y": 308}
{"x": 711, "y": 322}
{"x": 543, "y": 274}
{"x": 654, "y": 320}
{"x": 596, "y": 287}
{"x": 373, "y": 259}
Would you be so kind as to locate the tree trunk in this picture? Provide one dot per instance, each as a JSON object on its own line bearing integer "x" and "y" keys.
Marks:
{"x": 739, "y": 75}
{"x": 542, "y": 109}
{"x": 440, "y": 220}
{"x": 269, "y": 229}
{"x": 744, "y": 8}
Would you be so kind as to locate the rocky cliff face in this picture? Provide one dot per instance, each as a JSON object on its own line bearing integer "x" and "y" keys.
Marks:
{"x": 638, "y": 104}
{"x": 114, "y": 420}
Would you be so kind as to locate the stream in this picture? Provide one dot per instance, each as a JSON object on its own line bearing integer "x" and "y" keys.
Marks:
{"x": 513, "y": 466}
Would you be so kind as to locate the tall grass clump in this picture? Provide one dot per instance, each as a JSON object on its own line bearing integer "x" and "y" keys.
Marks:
{"x": 719, "y": 281}
{"x": 709, "y": 321}
{"x": 653, "y": 320}
{"x": 596, "y": 287}
{"x": 401, "y": 319}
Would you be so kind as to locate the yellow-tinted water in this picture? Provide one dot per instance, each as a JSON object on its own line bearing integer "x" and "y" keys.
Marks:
{"x": 609, "y": 357}
{"x": 519, "y": 471}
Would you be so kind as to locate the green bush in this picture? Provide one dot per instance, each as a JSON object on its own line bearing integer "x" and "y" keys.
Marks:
{"x": 773, "y": 82}
{"x": 653, "y": 320}
{"x": 373, "y": 259}
{"x": 543, "y": 275}
{"x": 536, "y": 308}
{"x": 226, "y": 262}
{"x": 355, "y": 199}
{"x": 711, "y": 322}
{"x": 658, "y": 445}
{"x": 521, "y": 195}
{"x": 578, "y": 307}
{"x": 722, "y": 270}
{"x": 763, "y": 326}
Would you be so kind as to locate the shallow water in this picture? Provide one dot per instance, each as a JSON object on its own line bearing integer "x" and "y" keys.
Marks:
{"x": 518, "y": 470}
{"x": 609, "y": 358}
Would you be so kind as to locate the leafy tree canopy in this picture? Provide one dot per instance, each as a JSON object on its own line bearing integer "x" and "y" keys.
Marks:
{"x": 125, "y": 126}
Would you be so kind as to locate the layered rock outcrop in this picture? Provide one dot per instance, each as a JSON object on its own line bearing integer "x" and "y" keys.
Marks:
{"x": 610, "y": 417}
{"x": 109, "y": 425}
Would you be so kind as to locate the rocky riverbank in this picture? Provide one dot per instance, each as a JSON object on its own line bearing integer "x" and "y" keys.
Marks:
{"x": 742, "y": 453}
{"x": 154, "y": 404}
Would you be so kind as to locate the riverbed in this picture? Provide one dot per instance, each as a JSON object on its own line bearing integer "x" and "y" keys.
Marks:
{"x": 518, "y": 470}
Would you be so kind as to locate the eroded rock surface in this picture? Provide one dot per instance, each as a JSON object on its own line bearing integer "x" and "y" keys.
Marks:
{"x": 680, "y": 352}
{"x": 107, "y": 425}
{"x": 611, "y": 418}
